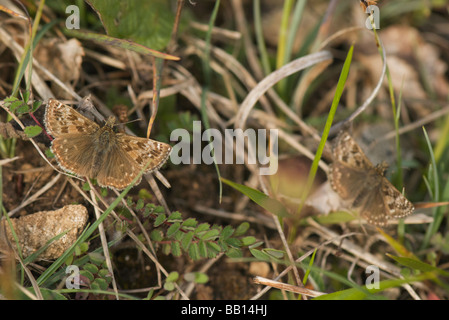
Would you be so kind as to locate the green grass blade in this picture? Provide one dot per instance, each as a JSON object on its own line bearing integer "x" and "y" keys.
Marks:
{"x": 330, "y": 118}
{"x": 260, "y": 38}
{"x": 415, "y": 264}
{"x": 306, "y": 275}
{"x": 363, "y": 292}
{"x": 437, "y": 214}
{"x": 27, "y": 52}
{"x": 269, "y": 204}
{"x": 282, "y": 42}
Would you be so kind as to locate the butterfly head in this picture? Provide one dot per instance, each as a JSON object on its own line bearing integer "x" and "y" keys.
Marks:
{"x": 110, "y": 122}
{"x": 381, "y": 168}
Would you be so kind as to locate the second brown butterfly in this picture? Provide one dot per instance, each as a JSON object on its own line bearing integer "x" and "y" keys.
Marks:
{"x": 357, "y": 180}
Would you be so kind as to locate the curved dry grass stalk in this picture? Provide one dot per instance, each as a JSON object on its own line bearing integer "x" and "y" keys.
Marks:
{"x": 259, "y": 90}
{"x": 306, "y": 80}
{"x": 338, "y": 34}
{"x": 105, "y": 59}
{"x": 145, "y": 96}
{"x": 306, "y": 129}
{"x": 217, "y": 32}
{"x": 193, "y": 94}
{"x": 232, "y": 64}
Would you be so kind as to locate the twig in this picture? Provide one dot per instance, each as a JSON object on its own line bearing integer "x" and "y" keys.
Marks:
{"x": 287, "y": 287}
{"x": 236, "y": 216}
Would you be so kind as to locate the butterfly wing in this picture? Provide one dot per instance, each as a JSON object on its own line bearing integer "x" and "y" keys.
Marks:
{"x": 374, "y": 209}
{"x": 129, "y": 157}
{"x": 346, "y": 181}
{"x": 83, "y": 148}
{"x": 143, "y": 150}
{"x": 386, "y": 204}
{"x": 354, "y": 177}
{"x": 61, "y": 119}
{"x": 75, "y": 153}
{"x": 396, "y": 205}
{"x": 117, "y": 170}
{"x": 348, "y": 171}
{"x": 348, "y": 152}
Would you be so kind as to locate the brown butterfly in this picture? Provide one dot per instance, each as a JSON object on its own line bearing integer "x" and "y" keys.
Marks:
{"x": 84, "y": 148}
{"x": 356, "y": 179}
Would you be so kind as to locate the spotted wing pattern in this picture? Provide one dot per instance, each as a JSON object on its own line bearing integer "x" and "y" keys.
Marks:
{"x": 356, "y": 179}
{"x": 84, "y": 148}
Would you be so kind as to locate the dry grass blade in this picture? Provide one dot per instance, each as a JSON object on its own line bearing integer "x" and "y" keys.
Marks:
{"x": 304, "y": 256}
{"x": 356, "y": 250}
{"x": 138, "y": 242}
{"x": 168, "y": 231}
{"x": 250, "y": 50}
{"x": 287, "y": 287}
{"x": 269, "y": 81}
{"x": 38, "y": 82}
{"x": 203, "y": 269}
{"x": 232, "y": 64}
{"x": 412, "y": 126}
{"x": 6, "y": 161}
{"x": 104, "y": 240}
{"x": 36, "y": 195}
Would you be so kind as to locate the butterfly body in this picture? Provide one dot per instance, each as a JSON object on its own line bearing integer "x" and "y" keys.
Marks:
{"x": 364, "y": 185}
{"x": 84, "y": 148}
